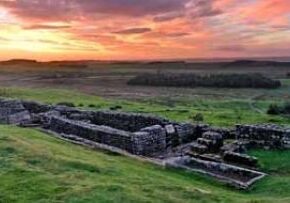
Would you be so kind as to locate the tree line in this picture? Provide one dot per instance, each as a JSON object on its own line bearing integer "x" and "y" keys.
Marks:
{"x": 211, "y": 80}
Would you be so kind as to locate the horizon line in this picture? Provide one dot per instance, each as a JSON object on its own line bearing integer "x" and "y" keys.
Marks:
{"x": 220, "y": 59}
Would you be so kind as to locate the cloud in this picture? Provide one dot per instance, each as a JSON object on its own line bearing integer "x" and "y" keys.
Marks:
{"x": 167, "y": 17}
{"x": 271, "y": 12}
{"x": 177, "y": 34}
{"x": 133, "y": 31}
{"x": 231, "y": 48}
{"x": 203, "y": 8}
{"x": 45, "y": 27}
{"x": 75, "y": 9}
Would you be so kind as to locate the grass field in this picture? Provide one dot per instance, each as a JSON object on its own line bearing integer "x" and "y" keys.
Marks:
{"x": 219, "y": 112}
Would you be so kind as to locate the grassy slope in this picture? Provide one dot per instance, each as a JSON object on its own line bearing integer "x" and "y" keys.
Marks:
{"x": 37, "y": 168}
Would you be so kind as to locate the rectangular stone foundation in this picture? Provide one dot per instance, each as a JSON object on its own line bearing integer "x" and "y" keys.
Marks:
{"x": 146, "y": 142}
{"x": 235, "y": 176}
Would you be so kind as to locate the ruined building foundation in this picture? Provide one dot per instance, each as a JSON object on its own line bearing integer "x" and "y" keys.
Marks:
{"x": 195, "y": 147}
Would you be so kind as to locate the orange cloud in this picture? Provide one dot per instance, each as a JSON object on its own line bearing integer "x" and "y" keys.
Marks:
{"x": 275, "y": 12}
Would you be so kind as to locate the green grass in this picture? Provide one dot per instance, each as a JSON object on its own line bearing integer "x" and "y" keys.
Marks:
{"x": 219, "y": 112}
{"x": 37, "y": 168}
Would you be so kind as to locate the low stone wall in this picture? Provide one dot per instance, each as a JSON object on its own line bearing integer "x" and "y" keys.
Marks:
{"x": 147, "y": 142}
{"x": 269, "y": 135}
{"x": 36, "y": 107}
{"x": 124, "y": 121}
{"x": 185, "y": 133}
{"x": 150, "y": 141}
{"x": 13, "y": 112}
{"x": 100, "y": 134}
{"x": 227, "y": 133}
{"x": 175, "y": 133}
{"x": 235, "y": 176}
{"x": 241, "y": 159}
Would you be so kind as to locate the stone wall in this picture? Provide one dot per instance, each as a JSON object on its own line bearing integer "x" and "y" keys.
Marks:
{"x": 241, "y": 159}
{"x": 100, "y": 134}
{"x": 266, "y": 135}
{"x": 36, "y": 107}
{"x": 13, "y": 112}
{"x": 150, "y": 140}
{"x": 185, "y": 133}
{"x": 147, "y": 142}
{"x": 124, "y": 121}
{"x": 236, "y": 176}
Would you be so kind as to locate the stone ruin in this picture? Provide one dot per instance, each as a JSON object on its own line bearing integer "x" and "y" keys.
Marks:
{"x": 238, "y": 177}
{"x": 217, "y": 152}
{"x": 138, "y": 134}
{"x": 267, "y": 136}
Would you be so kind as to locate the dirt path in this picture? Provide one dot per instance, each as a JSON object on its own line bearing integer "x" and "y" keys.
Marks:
{"x": 252, "y": 103}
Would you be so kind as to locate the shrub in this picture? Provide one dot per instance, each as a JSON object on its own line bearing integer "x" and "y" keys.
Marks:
{"x": 68, "y": 104}
{"x": 92, "y": 106}
{"x": 197, "y": 117}
{"x": 114, "y": 108}
{"x": 273, "y": 109}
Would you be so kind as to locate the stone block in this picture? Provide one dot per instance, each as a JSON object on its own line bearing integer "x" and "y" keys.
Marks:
{"x": 19, "y": 118}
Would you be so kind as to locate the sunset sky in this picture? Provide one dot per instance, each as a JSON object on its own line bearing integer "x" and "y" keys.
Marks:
{"x": 143, "y": 29}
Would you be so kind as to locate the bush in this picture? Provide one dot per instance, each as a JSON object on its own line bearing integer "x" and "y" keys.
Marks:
{"x": 212, "y": 80}
{"x": 197, "y": 117}
{"x": 273, "y": 109}
{"x": 92, "y": 106}
{"x": 68, "y": 104}
{"x": 115, "y": 108}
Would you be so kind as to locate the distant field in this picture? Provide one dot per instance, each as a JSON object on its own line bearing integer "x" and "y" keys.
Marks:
{"x": 110, "y": 80}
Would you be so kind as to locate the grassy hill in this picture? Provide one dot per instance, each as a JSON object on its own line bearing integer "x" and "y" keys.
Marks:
{"x": 35, "y": 167}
